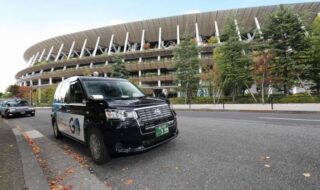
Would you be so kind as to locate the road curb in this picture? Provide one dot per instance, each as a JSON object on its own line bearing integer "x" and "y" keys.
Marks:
{"x": 68, "y": 172}
{"x": 259, "y": 111}
{"x": 32, "y": 172}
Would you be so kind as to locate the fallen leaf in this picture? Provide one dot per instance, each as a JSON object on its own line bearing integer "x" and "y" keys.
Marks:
{"x": 10, "y": 145}
{"x": 267, "y": 166}
{"x": 306, "y": 174}
{"x": 128, "y": 182}
{"x": 264, "y": 157}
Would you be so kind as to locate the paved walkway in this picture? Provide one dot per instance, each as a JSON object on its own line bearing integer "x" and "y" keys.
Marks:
{"x": 11, "y": 172}
{"x": 252, "y": 107}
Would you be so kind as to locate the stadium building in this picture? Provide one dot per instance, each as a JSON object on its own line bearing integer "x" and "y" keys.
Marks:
{"x": 146, "y": 47}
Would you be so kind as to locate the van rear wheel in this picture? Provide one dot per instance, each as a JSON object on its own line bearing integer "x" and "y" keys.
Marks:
{"x": 99, "y": 151}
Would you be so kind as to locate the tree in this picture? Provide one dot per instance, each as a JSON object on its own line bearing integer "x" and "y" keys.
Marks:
{"x": 187, "y": 67}
{"x": 13, "y": 90}
{"x": 315, "y": 52}
{"x": 47, "y": 94}
{"x": 87, "y": 72}
{"x": 261, "y": 69}
{"x": 119, "y": 68}
{"x": 23, "y": 92}
{"x": 233, "y": 63}
{"x": 287, "y": 36}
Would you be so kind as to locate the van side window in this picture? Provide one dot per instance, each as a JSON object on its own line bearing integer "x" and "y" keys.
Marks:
{"x": 64, "y": 93}
{"x": 76, "y": 93}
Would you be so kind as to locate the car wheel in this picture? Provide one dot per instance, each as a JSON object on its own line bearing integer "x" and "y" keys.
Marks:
{"x": 98, "y": 149}
{"x": 56, "y": 131}
{"x": 32, "y": 115}
{"x": 7, "y": 116}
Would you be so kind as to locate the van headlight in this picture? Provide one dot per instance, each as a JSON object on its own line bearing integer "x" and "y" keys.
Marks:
{"x": 121, "y": 114}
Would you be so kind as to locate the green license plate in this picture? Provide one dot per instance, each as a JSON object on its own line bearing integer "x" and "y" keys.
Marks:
{"x": 162, "y": 130}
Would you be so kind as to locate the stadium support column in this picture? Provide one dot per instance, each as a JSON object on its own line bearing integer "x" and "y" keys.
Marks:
{"x": 198, "y": 43}
{"x": 40, "y": 58}
{"x": 39, "y": 82}
{"x": 141, "y": 44}
{"x": 258, "y": 27}
{"x": 110, "y": 44}
{"x": 217, "y": 31}
{"x": 178, "y": 35}
{"x": 62, "y": 78}
{"x": 71, "y": 49}
{"x": 197, "y": 34}
{"x": 96, "y": 47}
{"x": 35, "y": 59}
{"x": 50, "y": 81}
{"x": 126, "y": 43}
{"x": 59, "y": 52}
{"x": 49, "y": 54}
{"x": 238, "y": 30}
{"x": 30, "y": 61}
{"x": 83, "y": 48}
{"x": 159, "y": 42}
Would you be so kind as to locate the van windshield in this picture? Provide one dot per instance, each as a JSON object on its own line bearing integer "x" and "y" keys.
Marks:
{"x": 113, "y": 89}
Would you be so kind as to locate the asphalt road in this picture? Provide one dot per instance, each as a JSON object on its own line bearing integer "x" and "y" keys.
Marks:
{"x": 216, "y": 150}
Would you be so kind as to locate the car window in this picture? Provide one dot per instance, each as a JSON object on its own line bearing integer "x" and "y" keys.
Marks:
{"x": 76, "y": 93}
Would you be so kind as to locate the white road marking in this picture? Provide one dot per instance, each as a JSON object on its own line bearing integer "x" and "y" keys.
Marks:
{"x": 16, "y": 132}
{"x": 34, "y": 134}
{"x": 289, "y": 119}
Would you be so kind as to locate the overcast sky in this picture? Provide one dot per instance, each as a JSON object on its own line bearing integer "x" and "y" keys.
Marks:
{"x": 26, "y": 22}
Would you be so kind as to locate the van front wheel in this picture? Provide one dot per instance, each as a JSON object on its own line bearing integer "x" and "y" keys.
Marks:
{"x": 56, "y": 131}
{"x": 98, "y": 149}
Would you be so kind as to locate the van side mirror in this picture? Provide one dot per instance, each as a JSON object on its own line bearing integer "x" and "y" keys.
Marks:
{"x": 96, "y": 97}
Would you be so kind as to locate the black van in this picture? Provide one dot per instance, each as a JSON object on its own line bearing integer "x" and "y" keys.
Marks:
{"x": 111, "y": 116}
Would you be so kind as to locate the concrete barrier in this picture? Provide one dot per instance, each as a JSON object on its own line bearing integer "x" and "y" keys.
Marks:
{"x": 310, "y": 107}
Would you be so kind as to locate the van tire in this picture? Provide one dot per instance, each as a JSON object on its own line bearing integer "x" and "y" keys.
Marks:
{"x": 56, "y": 132}
{"x": 98, "y": 149}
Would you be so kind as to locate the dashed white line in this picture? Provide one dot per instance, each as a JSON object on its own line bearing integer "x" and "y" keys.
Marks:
{"x": 289, "y": 119}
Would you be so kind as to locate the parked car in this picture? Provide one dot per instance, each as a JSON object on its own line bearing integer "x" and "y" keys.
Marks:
{"x": 111, "y": 116}
{"x": 17, "y": 107}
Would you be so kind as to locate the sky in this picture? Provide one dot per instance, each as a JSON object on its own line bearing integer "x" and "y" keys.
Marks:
{"x": 26, "y": 22}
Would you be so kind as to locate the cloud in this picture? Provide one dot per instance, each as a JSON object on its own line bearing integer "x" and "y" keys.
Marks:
{"x": 192, "y": 11}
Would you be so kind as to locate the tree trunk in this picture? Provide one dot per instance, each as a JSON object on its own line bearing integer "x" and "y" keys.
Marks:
{"x": 318, "y": 86}
{"x": 234, "y": 95}
{"x": 262, "y": 88}
{"x": 285, "y": 84}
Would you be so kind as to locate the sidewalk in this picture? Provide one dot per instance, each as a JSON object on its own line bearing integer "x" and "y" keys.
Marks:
{"x": 11, "y": 170}
{"x": 312, "y": 107}
{"x": 58, "y": 166}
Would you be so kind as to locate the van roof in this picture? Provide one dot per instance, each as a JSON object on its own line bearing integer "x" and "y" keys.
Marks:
{"x": 89, "y": 78}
